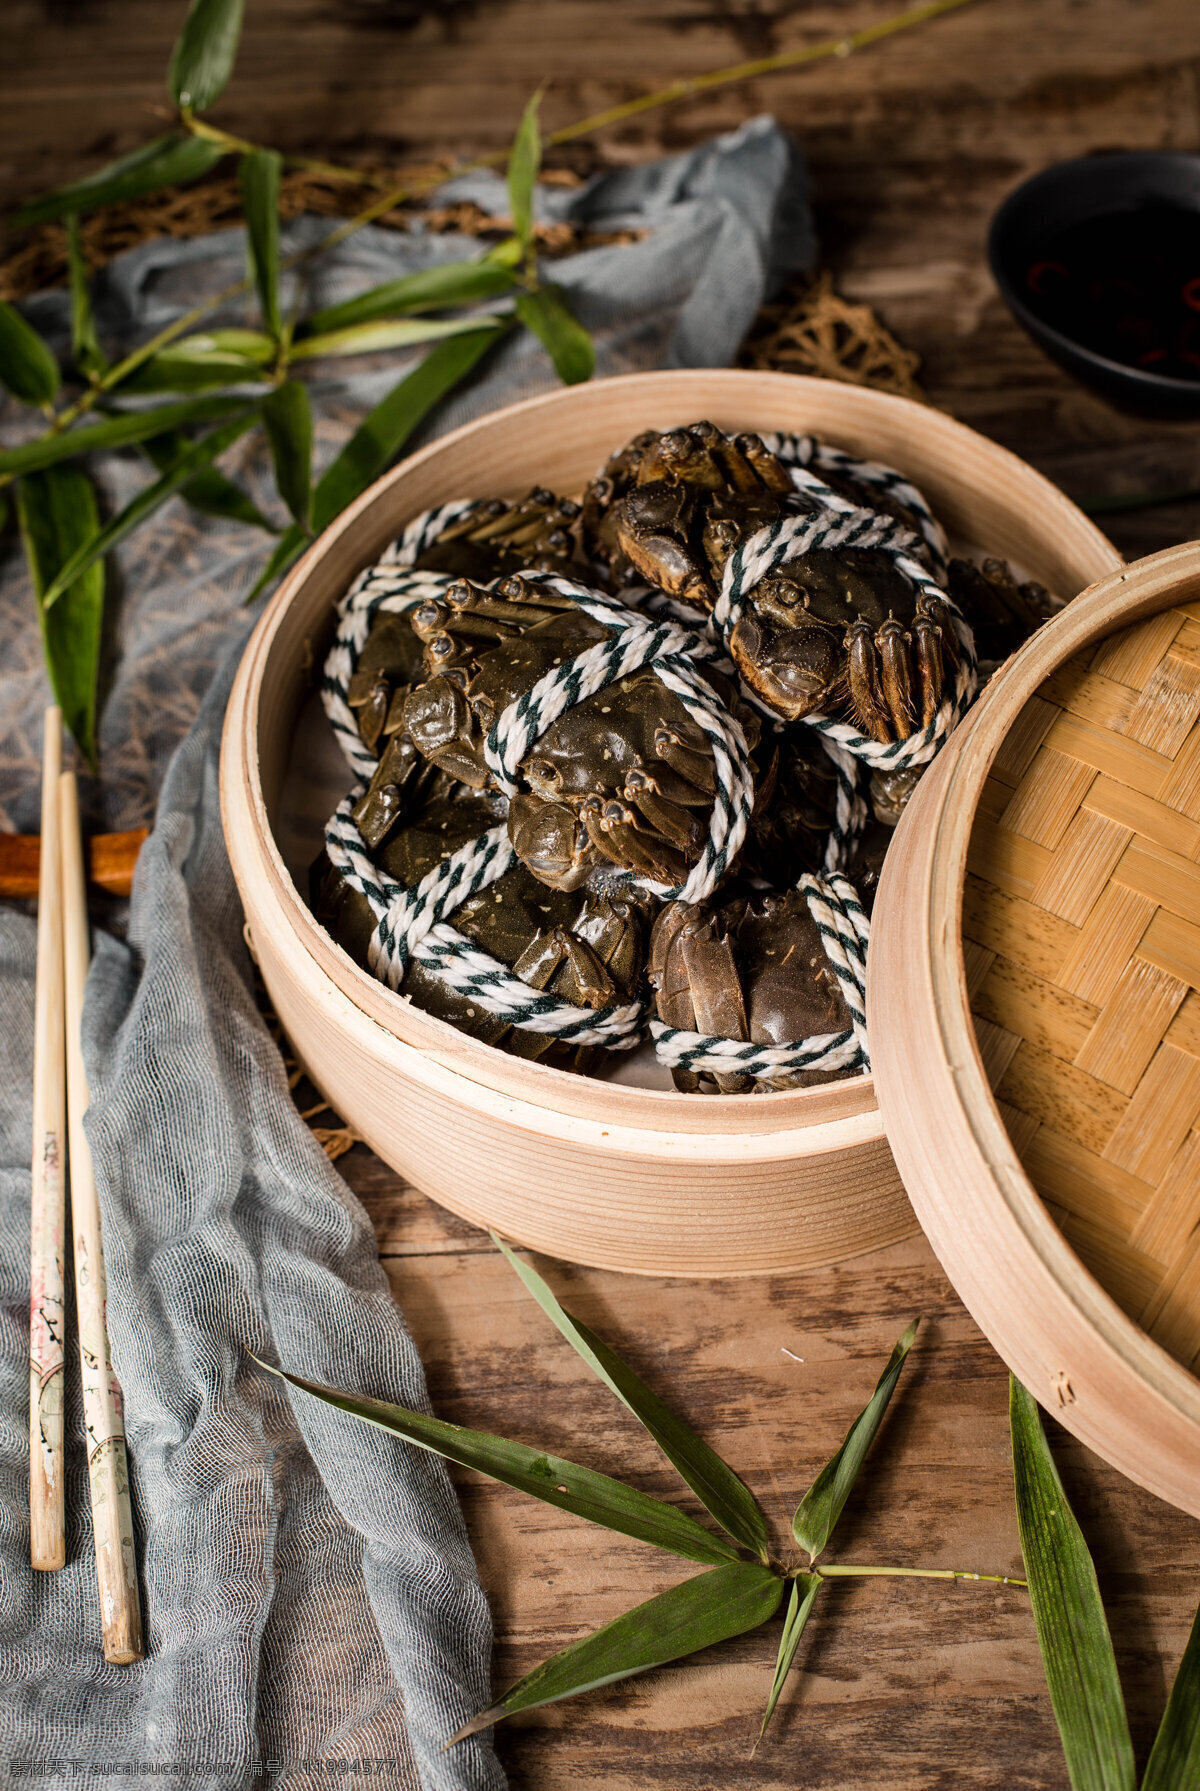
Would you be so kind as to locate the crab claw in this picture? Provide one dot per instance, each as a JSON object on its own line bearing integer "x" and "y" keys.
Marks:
{"x": 793, "y": 670}
{"x": 551, "y": 842}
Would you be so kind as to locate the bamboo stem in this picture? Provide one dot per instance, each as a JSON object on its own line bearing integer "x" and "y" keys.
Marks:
{"x": 103, "y": 1414}
{"x": 849, "y": 1570}
{"x": 47, "y": 1541}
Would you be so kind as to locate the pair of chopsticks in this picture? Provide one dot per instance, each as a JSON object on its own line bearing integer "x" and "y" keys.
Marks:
{"x": 60, "y": 1099}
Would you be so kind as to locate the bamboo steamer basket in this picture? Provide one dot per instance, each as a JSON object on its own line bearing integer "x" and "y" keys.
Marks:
{"x": 1033, "y": 1002}
{"x": 588, "y": 1170}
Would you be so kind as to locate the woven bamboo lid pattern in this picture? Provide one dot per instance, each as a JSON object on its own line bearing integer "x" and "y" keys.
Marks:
{"x": 1081, "y": 929}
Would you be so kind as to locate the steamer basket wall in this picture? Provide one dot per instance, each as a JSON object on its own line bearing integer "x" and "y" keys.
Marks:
{"x": 1065, "y": 1206}
{"x": 591, "y": 1171}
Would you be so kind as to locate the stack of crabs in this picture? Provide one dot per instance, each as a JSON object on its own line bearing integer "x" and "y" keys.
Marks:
{"x": 636, "y": 745}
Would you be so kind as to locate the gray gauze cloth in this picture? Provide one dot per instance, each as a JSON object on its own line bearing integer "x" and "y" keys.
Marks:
{"x": 310, "y": 1600}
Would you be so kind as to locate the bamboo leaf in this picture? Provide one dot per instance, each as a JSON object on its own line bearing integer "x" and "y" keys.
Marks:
{"x": 1072, "y": 1629}
{"x": 384, "y": 430}
{"x": 1174, "y": 1763}
{"x": 545, "y": 311}
{"x": 206, "y": 358}
{"x": 510, "y": 253}
{"x": 118, "y": 431}
{"x": 430, "y": 289}
{"x": 27, "y": 367}
{"x": 822, "y": 1504}
{"x": 197, "y": 456}
{"x": 400, "y": 332}
{"x": 710, "y": 1607}
{"x": 259, "y": 177}
{"x": 204, "y": 54}
{"x": 209, "y": 490}
{"x": 170, "y": 161}
{"x": 524, "y": 161}
{"x": 287, "y": 416}
{"x": 378, "y": 438}
{"x": 85, "y": 347}
{"x": 564, "y": 1484}
{"x": 58, "y": 517}
{"x": 722, "y": 1493}
{"x": 801, "y": 1599}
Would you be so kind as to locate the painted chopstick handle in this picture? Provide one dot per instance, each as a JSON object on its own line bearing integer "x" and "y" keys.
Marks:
{"x": 103, "y": 1415}
{"x": 47, "y": 1543}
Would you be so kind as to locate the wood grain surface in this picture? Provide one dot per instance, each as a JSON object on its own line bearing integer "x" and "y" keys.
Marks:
{"x": 905, "y": 1688}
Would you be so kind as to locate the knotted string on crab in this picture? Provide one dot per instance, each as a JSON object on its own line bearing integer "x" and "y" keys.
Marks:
{"x": 659, "y": 632}
{"x": 413, "y": 922}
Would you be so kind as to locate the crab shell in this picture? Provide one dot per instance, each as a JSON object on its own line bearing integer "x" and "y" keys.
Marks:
{"x": 623, "y": 781}
{"x": 751, "y": 968}
{"x": 589, "y": 951}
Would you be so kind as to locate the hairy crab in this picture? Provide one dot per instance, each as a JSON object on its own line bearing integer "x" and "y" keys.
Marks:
{"x": 494, "y": 538}
{"x": 589, "y": 950}
{"x": 624, "y": 779}
{"x": 830, "y": 629}
{"x": 753, "y": 967}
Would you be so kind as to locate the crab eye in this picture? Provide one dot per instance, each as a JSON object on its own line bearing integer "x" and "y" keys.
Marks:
{"x": 543, "y": 772}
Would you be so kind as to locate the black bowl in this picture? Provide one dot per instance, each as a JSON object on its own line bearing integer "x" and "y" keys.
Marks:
{"x": 1072, "y": 193}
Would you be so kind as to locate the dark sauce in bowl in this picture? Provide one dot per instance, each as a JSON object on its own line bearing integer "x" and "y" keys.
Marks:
{"x": 1125, "y": 285}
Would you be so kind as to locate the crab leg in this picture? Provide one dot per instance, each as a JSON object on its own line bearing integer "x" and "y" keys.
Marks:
{"x": 866, "y": 699}
{"x": 893, "y": 641}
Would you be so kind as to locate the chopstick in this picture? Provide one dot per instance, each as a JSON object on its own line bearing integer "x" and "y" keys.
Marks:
{"x": 47, "y": 1541}
{"x": 110, "y": 857}
{"x": 108, "y": 1466}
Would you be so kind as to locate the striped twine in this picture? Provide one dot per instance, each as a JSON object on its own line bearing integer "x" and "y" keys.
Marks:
{"x": 845, "y": 933}
{"x": 413, "y": 923}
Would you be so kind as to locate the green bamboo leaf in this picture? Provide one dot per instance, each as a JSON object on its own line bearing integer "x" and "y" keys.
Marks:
{"x": 171, "y": 161}
{"x": 259, "y": 178}
{"x": 378, "y": 438}
{"x": 206, "y": 358}
{"x": 120, "y": 430}
{"x": 722, "y": 1493}
{"x": 58, "y": 518}
{"x": 27, "y": 367}
{"x": 711, "y": 1607}
{"x": 204, "y": 54}
{"x": 384, "y": 430}
{"x": 822, "y": 1504}
{"x": 510, "y": 253}
{"x": 1174, "y": 1763}
{"x": 564, "y": 1484}
{"x": 287, "y": 417}
{"x": 545, "y": 311}
{"x": 209, "y": 491}
{"x": 1077, "y": 1652}
{"x": 525, "y": 159}
{"x": 197, "y": 456}
{"x": 399, "y": 332}
{"x": 801, "y": 1599}
{"x": 430, "y": 289}
{"x": 85, "y": 347}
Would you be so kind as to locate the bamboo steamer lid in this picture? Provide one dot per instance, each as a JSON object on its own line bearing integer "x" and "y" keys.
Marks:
{"x": 1034, "y": 1010}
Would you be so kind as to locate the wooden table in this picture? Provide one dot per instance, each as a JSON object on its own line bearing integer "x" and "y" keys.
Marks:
{"x": 904, "y": 1686}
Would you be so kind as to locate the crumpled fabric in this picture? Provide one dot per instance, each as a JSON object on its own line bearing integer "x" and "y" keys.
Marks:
{"x": 310, "y": 1600}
